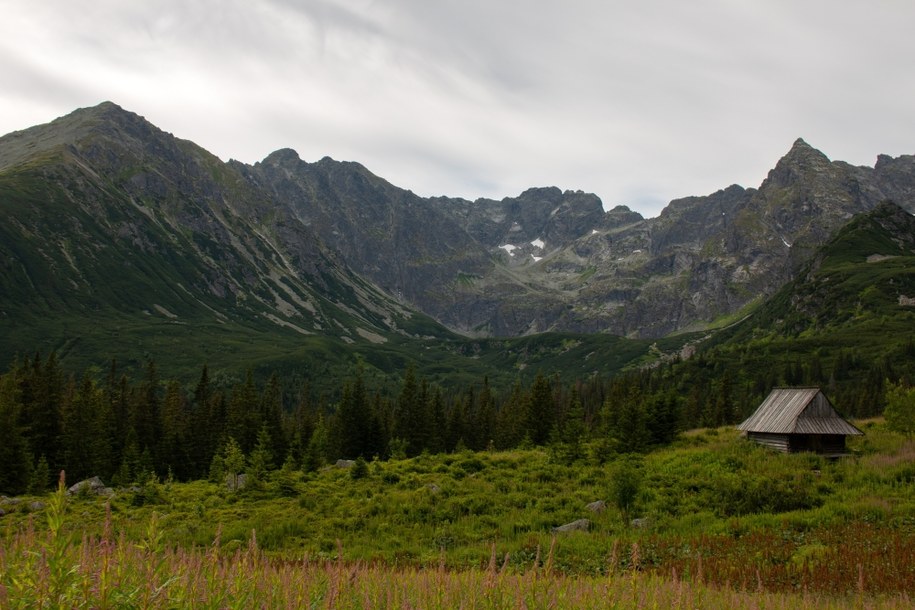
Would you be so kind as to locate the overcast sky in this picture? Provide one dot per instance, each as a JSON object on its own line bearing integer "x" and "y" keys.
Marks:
{"x": 639, "y": 102}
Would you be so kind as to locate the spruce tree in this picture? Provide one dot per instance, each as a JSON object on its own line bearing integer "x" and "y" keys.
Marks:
{"x": 261, "y": 459}
{"x": 41, "y": 477}
{"x": 540, "y": 411}
{"x": 272, "y": 414}
{"x": 233, "y": 461}
{"x": 352, "y": 420}
{"x": 145, "y": 416}
{"x": 243, "y": 419}
{"x": 15, "y": 459}
{"x": 569, "y": 436}
{"x": 631, "y": 427}
{"x": 316, "y": 451}
{"x": 83, "y": 438}
{"x": 176, "y": 431}
{"x": 486, "y": 415}
{"x": 511, "y": 419}
{"x": 413, "y": 421}
{"x": 41, "y": 386}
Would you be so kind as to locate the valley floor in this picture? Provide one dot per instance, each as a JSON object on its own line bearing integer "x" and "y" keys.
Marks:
{"x": 711, "y": 522}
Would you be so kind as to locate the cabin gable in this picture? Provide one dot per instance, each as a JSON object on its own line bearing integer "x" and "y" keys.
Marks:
{"x": 798, "y": 419}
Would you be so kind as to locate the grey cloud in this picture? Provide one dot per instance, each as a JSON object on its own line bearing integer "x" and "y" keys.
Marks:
{"x": 639, "y": 102}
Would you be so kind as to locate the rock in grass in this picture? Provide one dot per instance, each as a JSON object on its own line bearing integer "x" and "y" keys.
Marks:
{"x": 345, "y": 463}
{"x": 236, "y": 482}
{"x": 598, "y": 506}
{"x": 579, "y": 525}
{"x": 93, "y": 485}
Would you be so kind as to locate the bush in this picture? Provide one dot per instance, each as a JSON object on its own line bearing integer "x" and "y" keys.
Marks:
{"x": 150, "y": 492}
{"x": 359, "y": 469}
{"x": 625, "y": 486}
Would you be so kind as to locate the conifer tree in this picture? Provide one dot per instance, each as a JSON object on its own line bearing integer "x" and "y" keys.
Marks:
{"x": 377, "y": 439}
{"x": 243, "y": 419}
{"x": 261, "y": 459}
{"x": 437, "y": 415}
{"x": 116, "y": 413}
{"x": 316, "y": 451}
{"x": 233, "y": 461}
{"x": 359, "y": 470}
{"x": 41, "y": 388}
{"x": 631, "y": 427}
{"x": 569, "y": 435}
{"x": 272, "y": 414}
{"x": 202, "y": 391}
{"x": 86, "y": 441}
{"x": 176, "y": 432}
{"x": 352, "y": 420}
{"x": 455, "y": 426}
{"x": 511, "y": 419}
{"x": 662, "y": 418}
{"x": 300, "y": 424}
{"x": 413, "y": 420}
{"x": 145, "y": 415}
{"x": 40, "y": 480}
{"x": 468, "y": 411}
{"x": 15, "y": 459}
{"x": 486, "y": 415}
{"x": 130, "y": 469}
{"x": 107, "y": 449}
{"x": 206, "y": 421}
{"x": 540, "y": 411}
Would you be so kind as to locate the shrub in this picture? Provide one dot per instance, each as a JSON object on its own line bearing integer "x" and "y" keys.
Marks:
{"x": 359, "y": 469}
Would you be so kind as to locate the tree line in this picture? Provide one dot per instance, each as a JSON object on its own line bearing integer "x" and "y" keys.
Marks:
{"x": 126, "y": 429}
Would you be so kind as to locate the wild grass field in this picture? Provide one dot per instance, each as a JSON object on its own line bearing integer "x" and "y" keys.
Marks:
{"x": 711, "y": 522}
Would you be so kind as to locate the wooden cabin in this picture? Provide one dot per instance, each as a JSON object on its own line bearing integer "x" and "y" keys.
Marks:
{"x": 799, "y": 419}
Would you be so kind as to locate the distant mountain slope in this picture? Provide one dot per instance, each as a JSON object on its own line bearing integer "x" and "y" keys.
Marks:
{"x": 707, "y": 257}
{"x": 550, "y": 260}
{"x": 120, "y": 240}
{"x": 108, "y": 221}
{"x": 112, "y": 228}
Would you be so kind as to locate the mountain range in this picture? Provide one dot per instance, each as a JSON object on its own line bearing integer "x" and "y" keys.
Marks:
{"x": 115, "y": 233}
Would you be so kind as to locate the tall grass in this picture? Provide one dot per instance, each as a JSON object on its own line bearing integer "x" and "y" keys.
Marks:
{"x": 54, "y": 568}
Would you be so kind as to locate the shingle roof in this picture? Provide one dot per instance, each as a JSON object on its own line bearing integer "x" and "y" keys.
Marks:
{"x": 791, "y": 411}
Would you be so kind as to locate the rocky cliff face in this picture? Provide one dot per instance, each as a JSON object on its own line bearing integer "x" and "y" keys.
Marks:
{"x": 292, "y": 236}
{"x": 702, "y": 258}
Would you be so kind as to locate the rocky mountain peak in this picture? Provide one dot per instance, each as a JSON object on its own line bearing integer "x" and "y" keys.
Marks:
{"x": 110, "y": 119}
{"x": 51, "y": 138}
{"x": 282, "y": 157}
{"x": 802, "y": 161}
{"x": 105, "y": 110}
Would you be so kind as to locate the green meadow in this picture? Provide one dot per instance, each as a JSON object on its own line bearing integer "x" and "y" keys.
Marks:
{"x": 711, "y": 521}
